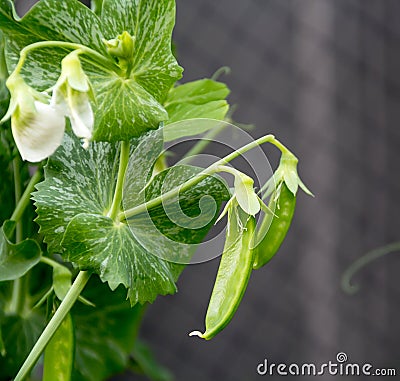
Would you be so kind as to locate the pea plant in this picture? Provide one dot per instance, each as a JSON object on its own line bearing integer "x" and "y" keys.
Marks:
{"x": 95, "y": 224}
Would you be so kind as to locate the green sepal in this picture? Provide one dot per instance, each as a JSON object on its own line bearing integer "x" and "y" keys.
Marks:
{"x": 287, "y": 173}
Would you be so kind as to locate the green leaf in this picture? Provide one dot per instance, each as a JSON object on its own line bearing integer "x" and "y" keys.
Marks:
{"x": 105, "y": 335}
{"x": 16, "y": 259}
{"x": 151, "y": 23}
{"x": 78, "y": 190}
{"x": 146, "y": 362}
{"x": 123, "y": 109}
{"x": 95, "y": 243}
{"x": 204, "y": 98}
{"x": 96, "y": 6}
{"x": 191, "y": 127}
{"x": 76, "y": 181}
{"x": 59, "y": 353}
{"x": 19, "y": 336}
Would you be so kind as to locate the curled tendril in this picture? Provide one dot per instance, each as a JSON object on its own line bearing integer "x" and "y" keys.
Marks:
{"x": 362, "y": 262}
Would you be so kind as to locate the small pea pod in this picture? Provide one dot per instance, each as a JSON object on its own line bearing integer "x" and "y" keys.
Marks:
{"x": 59, "y": 353}
{"x": 271, "y": 242}
{"x": 233, "y": 273}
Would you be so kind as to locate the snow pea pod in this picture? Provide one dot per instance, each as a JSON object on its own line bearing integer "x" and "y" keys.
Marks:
{"x": 59, "y": 353}
{"x": 233, "y": 273}
{"x": 270, "y": 244}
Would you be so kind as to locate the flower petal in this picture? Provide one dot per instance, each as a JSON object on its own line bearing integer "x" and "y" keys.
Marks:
{"x": 38, "y": 135}
{"x": 246, "y": 195}
{"x": 80, "y": 114}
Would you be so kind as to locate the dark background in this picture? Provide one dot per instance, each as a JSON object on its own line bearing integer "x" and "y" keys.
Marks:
{"x": 323, "y": 75}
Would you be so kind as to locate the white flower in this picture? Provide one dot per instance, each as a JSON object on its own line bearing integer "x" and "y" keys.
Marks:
{"x": 37, "y": 127}
{"x": 244, "y": 195}
{"x": 71, "y": 96}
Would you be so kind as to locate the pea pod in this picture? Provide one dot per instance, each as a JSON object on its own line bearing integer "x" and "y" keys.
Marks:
{"x": 233, "y": 273}
{"x": 270, "y": 244}
{"x": 59, "y": 353}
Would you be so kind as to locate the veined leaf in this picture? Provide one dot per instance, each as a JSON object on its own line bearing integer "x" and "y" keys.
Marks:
{"x": 16, "y": 259}
{"x": 124, "y": 109}
{"x": 76, "y": 181}
{"x": 150, "y": 22}
{"x": 204, "y": 98}
{"x": 95, "y": 243}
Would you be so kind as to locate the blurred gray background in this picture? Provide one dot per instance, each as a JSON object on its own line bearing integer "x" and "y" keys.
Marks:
{"x": 323, "y": 75}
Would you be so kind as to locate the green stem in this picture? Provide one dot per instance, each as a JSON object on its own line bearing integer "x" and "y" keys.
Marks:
{"x": 14, "y": 308}
{"x": 103, "y": 61}
{"x": 123, "y": 164}
{"x": 26, "y": 197}
{"x": 51, "y": 262}
{"x": 62, "y": 311}
{"x": 17, "y": 297}
{"x": 17, "y": 192}
{"x": 199, "y": 177}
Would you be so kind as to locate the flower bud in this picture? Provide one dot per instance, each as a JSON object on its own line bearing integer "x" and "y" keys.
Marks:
{"x": 122, "y": 46}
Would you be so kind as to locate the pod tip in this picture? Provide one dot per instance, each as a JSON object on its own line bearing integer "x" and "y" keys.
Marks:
{"x": 196, "y": 333}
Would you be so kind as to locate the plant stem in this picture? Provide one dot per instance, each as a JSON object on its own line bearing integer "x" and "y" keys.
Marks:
{"x": 62, "y": 311}
{"x": 26, "y": 197}
{"x": 17, "y": 297}
{"x": 17, "y": 193}
{"x": 123, "y": 164}
{"x": 50, "y": 262}
{"x": 199, "y": 177}
{"x": 101, "y": 61}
